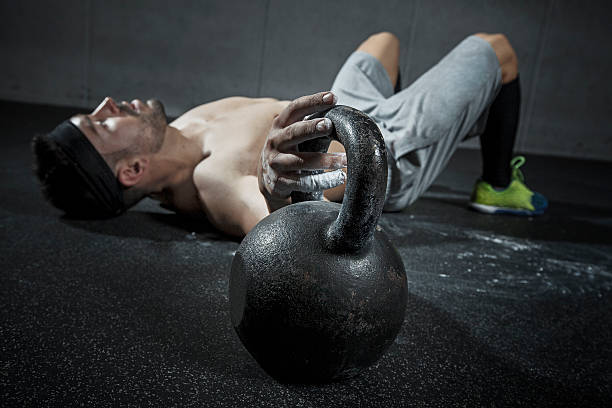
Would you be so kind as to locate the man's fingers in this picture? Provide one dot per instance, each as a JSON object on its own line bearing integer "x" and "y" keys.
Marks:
{"x": 303, "y": 106}
{"x": 299, "y": 132}
{"x": 280, "y": 159}
{"x": 285, "y": 162}
{"x": 314, "y": 182}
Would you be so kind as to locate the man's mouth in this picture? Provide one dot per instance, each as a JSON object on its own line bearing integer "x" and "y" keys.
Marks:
{"x": 129, "y": 108}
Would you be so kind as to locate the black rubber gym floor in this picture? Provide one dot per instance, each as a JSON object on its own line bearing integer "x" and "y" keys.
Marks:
{"x": 502, "y": 311}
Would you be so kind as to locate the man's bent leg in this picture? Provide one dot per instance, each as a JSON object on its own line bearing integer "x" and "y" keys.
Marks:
{"x": 365, "y": 80}
{"x": 424, "y": 123}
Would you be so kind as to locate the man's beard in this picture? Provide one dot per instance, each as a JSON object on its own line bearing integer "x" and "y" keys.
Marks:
{"x": 153, "y": 123}
{"x": 157, "y": 122}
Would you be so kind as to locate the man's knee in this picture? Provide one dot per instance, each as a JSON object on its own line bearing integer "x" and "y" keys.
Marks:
{"x": 505, "y": 54}
{"x": 380, "y": 44}
{"x": 387, "y": 37}
{"x": 385, "y": 47}
{"x": 384, "y": 40}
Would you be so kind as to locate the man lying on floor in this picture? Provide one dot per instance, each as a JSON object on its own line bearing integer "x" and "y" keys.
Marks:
{"x": 234, "y": 160}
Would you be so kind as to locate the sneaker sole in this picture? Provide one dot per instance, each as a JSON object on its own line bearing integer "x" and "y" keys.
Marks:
{"x": 489, "y": 209}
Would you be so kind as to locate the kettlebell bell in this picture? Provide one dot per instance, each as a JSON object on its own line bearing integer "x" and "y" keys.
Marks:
{"x": 317, "y": 290}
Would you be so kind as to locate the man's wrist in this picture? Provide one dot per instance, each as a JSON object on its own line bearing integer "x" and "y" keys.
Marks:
{"x": 273, "y": 203}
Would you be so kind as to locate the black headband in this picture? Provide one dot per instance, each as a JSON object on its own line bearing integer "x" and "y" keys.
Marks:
{"x": 91, "y": 166}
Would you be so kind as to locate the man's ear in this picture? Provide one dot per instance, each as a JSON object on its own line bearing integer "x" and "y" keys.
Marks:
{"x": 132, "y": 170}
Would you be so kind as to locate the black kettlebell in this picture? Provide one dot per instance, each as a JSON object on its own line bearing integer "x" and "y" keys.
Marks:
{"x": 317, "y": 290}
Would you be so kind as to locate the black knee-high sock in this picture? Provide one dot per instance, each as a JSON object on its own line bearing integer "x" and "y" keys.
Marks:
{"x": 497, "y": 141}
{"x": 398, "y": 83}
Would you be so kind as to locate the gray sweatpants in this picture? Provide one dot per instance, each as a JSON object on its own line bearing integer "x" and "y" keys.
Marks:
{"x": 424, "y": 123}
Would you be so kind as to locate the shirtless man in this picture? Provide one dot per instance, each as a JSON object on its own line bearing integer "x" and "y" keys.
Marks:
{"x": 234, "y": 160}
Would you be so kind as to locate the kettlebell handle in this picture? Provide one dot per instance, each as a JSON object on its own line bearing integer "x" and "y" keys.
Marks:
{"x": 364, "y": 195}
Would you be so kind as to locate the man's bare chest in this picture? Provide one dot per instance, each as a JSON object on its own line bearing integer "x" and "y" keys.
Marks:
{"x": 233, "y": 131}
{"x": 235, "y": 140}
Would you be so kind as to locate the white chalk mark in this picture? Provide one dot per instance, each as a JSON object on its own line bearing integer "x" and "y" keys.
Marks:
{"x": 506, "y": 242}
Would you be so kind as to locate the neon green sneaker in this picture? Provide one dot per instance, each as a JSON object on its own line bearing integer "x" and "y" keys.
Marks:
{"x": 516, "y": 199}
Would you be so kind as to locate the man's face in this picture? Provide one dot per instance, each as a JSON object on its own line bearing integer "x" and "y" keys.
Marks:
{"x": 113, "y": 127}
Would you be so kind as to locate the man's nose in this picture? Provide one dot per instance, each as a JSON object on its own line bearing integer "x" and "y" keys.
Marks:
{"x": 107, "y": 107}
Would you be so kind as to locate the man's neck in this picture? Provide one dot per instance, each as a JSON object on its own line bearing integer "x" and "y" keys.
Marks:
{"x": 171, "y": 169}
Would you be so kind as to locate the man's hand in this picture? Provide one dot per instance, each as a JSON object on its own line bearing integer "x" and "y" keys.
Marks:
{"x": 281, "y": 162}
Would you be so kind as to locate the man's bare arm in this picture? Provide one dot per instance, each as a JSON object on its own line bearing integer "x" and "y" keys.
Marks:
{"x": 233, "y": 208}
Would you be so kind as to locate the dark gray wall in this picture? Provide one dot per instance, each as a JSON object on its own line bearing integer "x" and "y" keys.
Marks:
{"x": 75, "y": 52}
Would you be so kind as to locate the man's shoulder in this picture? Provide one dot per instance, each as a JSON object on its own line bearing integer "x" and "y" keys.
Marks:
{"x": 213, "y": 180}
{"x": 216, "y": 178}
{"x": 231, "y": 201}
{"x": 210, "y": 174}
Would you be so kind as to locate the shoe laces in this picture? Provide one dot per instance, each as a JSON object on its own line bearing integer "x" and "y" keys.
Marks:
{"x": 516, "y": 163}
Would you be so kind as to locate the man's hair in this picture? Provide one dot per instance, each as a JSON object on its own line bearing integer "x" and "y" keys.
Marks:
{"x": 62, "y": 184}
